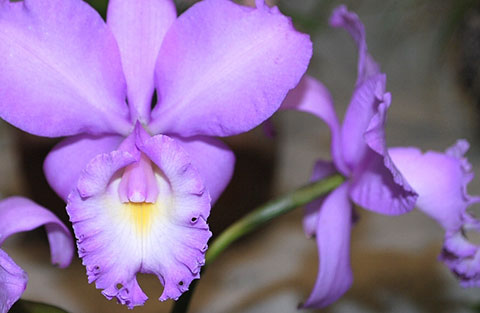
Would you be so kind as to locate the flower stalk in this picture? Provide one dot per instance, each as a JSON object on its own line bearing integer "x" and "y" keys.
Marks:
{"x": 257, "y": 218}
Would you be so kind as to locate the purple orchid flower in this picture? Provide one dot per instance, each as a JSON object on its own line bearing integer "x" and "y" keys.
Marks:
{"x": 18, "y": 215}
{"x": 441, "y": 181}
{"x": 388, "y": 181}
{"x": 138, "y": 181}
{"x": 360, "y": 153}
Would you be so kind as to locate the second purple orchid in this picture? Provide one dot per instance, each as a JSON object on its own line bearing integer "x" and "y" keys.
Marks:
{"x": 387, "y": 181}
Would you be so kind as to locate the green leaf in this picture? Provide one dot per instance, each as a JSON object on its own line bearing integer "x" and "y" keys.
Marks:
{"x": 25, "y": 306}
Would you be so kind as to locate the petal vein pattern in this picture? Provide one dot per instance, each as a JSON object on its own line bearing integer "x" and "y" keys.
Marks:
{"x": 60, "y": 69}
{"x": 120, "y": 235}
{"x": 223, "y": 69}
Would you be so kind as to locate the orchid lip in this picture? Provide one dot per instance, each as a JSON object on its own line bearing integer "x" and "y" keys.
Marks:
{"x": 141, "y": 209}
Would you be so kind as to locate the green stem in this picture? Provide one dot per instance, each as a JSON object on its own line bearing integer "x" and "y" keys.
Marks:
{"x": 269, "y": 211}
{"x": 257, "y": 218}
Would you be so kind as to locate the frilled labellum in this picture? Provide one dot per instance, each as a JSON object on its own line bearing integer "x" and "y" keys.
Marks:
{"x": 141, "y": 209}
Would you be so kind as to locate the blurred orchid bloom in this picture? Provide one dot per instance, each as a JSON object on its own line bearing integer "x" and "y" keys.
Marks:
{"x": 389, "y": 181}
{"x": 138, "y": 181}
{"x": 19, "y": 215}
{"x": 441, "y": 181}
{"x": 360, "y": 153}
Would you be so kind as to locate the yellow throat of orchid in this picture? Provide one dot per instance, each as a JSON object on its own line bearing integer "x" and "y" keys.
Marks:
{"x": 141, "y": 215}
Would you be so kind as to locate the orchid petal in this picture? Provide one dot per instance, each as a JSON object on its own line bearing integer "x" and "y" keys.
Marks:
{"x": 224, "y": 68}
{"x": 190, "y": 213}
{"x": 118, "y": 239}
{"x": 362, "y": 108}
{"x": 13, "y": 281}
{"x": 139, "y": 27}
{"x": 333, "y": 240}
{"x": 214, "y": 161}
{"x": 20, "y": 214}
{"x": 441, "y": 181}
{"x": 370, "y": 89}
{"x": 350, "y": 21}
{"x": 377, "y": 185}
{"x": 65, "y": 162}
{"x": 321, "y": 170}
{"x": 60, "y": 70}
{"x": 311, "y": 96}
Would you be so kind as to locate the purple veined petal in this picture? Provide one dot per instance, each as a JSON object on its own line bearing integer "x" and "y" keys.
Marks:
{"x": 65, "y": 162}
{"x": 13, "y": 281}
{"x": 20, "y": 214}
{"x": 139, "y": 27}
{"x": 311, "y": 96}
{"x": 60, "y": 70}
{"x": 213, "y": 159}
{"x": 224, "y": 69}
{"x": 321, "y": 170}
{"x": 377, "y": 184}
{"x": 333, "y": 241}
{"x": 117, "y": 239}
{"x": 367, "y": 66}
